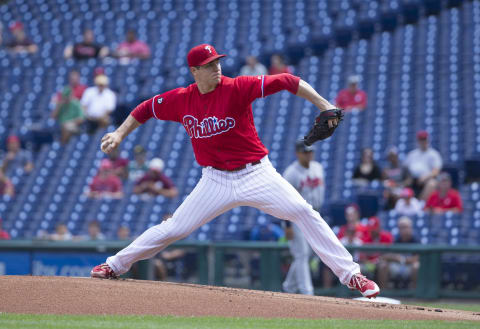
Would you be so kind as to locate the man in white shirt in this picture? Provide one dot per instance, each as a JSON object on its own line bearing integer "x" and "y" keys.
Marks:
{"x": 307, "y": 176}
{"x": 98, "y": 101}
{"x": 253, "y": 67}
{"x": 408, "y": 205}
{"x": 424, "y": 164}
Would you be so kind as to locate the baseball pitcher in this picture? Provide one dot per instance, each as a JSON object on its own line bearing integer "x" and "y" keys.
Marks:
{"x": 216, "y": 112}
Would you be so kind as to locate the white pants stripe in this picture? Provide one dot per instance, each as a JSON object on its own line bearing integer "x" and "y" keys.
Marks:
{"x": 258, "y": 186}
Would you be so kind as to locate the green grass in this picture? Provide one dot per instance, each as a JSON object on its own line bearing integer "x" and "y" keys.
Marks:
{"x": 29, "y": 321}
{"x": 452, "y": 306}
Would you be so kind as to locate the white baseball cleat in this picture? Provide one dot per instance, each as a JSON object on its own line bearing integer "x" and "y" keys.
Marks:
{"x": 367, "y": 288}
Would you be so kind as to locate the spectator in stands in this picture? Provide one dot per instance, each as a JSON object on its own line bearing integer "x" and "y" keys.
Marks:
{"x": 376, "y": 235}
{"x": 99, "y": 101}
{"x": 444, "y": 198}
{"x": 120, "y": 165}
{"x": 350, "y": 236}
{"x": 394, "y": 177}
{"x": 408, "y": 205}
{"x": 131, "y": 48}
{"x": 138, "y": 167}
{"x": 6, "y": 186}
{"x": 352, "y": 98}
{"x": 123, "y": 233}
{"x": 400, "y": 266}
{"x": 74, "y": 83}
{"x": 278, "y": 66}
{"x": 367, "y": 170}
{"x": 253, "y": 67}
{"x": 69, "y": 114}
{"x": 424, "y": 164}
{"x": 20, "y": 42}
{"x": 16, "y": 157}
{"x": 86, "y": 49}
{"x": 106, "y": 184}
{"x": 94, "y": 231}
{"x": 353, "y": 232}
{"x": 61, "y": 233}
{"x": 155, "y": 182}
{"x": 3, "y": 234}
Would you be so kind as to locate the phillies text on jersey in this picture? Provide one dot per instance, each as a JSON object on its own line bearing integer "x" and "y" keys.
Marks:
{"x": 208, "y": 127}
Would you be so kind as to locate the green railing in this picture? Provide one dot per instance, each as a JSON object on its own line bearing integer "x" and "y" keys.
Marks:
{"x": 211, "y": 262}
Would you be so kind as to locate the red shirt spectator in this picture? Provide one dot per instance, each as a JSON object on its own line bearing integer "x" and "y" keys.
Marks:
{"x": 132, "y": 48}
{"x": 376, "y": 234}
{"x": 278, "y": 66}
{"x": 361, "y": 233}
{"x": 3, "y": 234}
{"x": 353, "y": 232}
{"x": 74, "y": 83}
{"x": 352, "y": 97}
{"x": 155, "y": 182}
{"x": 119, "y": 164}
{"x": 106, "y": 183}
{"x": 451, "y": 201}
{"x": 445, "y": 198}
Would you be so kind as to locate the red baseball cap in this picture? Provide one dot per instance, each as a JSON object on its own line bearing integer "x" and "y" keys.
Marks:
{"x": 16, "y": 26}
{"x": 98, "y": 71}
{"x": 13, "y": 138}
{"x": 202, "y": 54}
{"x": 422, "y": 134}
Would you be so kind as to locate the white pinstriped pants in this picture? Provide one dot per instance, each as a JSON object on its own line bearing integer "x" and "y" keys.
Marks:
{"x": 258, "y": 186}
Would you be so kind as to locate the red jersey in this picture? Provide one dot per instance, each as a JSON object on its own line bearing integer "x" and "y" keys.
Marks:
{"x": 450, "y": 201}
{"x": 219, "y": 123}
{"x": 119, "y": 163}
{"x": 154, "y": 177}
{"x": 110, "y": 183}
{"x": 346, "y": 99}
{"x": 361, "y": 232}
{"x": 4, "y": 235}
{"x": 384, "y": 237}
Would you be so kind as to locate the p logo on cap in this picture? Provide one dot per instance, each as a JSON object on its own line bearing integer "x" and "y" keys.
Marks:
{"x": 202, "y": 54}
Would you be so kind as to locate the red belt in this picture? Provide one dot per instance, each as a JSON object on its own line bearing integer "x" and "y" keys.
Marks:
{"x": 241, "y": 167}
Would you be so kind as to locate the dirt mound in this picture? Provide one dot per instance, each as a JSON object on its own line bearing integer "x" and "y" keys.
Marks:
{"x": 66, "y": 295}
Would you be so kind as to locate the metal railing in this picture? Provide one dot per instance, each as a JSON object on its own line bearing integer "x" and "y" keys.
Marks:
{"x": 211, "y": 262}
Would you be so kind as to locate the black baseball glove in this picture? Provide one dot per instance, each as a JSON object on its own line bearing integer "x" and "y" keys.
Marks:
{"x": 320, "y": 129}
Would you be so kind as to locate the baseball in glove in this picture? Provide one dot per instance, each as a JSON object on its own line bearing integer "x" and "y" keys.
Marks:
{"x": 321, "y": 129}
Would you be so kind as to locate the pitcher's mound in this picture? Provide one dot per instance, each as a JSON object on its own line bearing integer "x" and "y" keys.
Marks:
{"x": 66, "y": 295}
